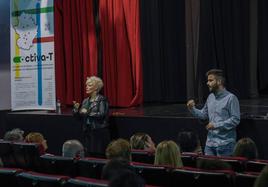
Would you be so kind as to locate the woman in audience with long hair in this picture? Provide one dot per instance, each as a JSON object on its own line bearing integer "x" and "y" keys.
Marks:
{"x": 168, "y": 153}
{"x": 246, "y": 147}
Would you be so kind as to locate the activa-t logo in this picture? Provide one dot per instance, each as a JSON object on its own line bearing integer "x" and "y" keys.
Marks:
{"x": 33, "y": 58}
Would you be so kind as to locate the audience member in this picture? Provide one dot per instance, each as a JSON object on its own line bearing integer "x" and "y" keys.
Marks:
{"x": 168, "y": 153}
{"x": 189, "y": 142}
{"x": 213, "y": 164}
{"x": 142, "y": 141}
{"x": 36, "y": 137}
{"x": 73, "y": 149}
{"x": 14, "y": 135}
{"x": 127, "y": 179}
{"x": 119, "y": 148}
{"x": 262, "y": 180}
{"x": 246, "y": 147}
{"x": 114, "y": 167}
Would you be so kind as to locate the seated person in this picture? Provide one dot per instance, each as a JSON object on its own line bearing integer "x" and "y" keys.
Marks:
{"x": 36, "y": 137}
{"x": 119, "y": 148}
{"x": 15, "y": 135}
{"x": 247, "y": 148}
{"x": 142, "y": 141}
{"x": 127, "y": 178}
{"x": 262, "y": 180}
{"x": 168, "y": 153}
{"x": 115, "y": 166}
{"x": 73, "y": 149}
{"x": 189, "y": 142}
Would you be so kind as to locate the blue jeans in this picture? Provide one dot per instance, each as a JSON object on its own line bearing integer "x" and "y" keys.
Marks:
{"x": 224, "y": 150}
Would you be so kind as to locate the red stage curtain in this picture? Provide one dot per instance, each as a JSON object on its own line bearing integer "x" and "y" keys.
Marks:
{"x": 75, "y": 48}
{"x": 122, "y": 66}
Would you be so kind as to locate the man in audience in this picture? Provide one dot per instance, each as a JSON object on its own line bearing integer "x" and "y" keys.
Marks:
{"x": 73, "y": 149}
{"x": 119, "y": 148}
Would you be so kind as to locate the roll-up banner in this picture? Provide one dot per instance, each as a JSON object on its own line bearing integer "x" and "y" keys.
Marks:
{"x": 32, "y": 55}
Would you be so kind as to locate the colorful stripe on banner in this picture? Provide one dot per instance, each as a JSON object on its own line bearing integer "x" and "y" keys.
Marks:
{"x": 43, "y": 39}
{"x": 39, "y": 52}
{"x": 33, "y": 11}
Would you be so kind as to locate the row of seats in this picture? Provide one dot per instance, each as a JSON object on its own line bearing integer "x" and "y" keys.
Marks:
{"x": 13, "y": 177}
{"x": 239, "y": 164}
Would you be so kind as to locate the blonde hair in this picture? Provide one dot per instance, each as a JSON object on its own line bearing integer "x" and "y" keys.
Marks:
{"x": 168, "y": 153}
{"x": 34, "y": 137}
{"x": 139, "y": 140}
{"x": 95, "y": 80}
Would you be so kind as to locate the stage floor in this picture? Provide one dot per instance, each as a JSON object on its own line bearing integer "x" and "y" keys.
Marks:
{"x": 253, "y": 108}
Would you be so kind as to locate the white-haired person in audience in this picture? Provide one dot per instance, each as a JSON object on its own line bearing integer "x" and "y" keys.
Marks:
{"x": 73, "y": 149}
{"x": 14, "y": 135}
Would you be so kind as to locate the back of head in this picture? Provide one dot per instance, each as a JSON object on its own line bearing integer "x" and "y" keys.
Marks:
{"x": 262, "y": 180}
{"x": 138, "y": 140}
{"x": 168, "y": 153}
{"x": 34, "y": 137}
{"x": 246, "y": 147}
{"x": 127, "y": 179}
{"x": 15, "y": 135}
{"x": 38, "y": 138}
{"x": 188, "y": 141}
{"x": 114, "y": 167}
{"x": 213, "y": 164}
{"x": 119, "y": 148}
{"x": 73, "y": 149}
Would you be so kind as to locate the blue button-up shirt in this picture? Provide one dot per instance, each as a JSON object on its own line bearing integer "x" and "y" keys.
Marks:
{"x": 223, "y": 111}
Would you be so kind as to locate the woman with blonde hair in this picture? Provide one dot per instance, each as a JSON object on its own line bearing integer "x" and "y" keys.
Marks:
{"x": 168, "y": 153}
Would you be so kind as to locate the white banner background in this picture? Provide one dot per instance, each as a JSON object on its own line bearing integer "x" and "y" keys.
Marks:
{"x": 32, "y": 55}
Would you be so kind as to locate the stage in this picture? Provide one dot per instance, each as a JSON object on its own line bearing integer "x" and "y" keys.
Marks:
{"x": 161, "y": 121}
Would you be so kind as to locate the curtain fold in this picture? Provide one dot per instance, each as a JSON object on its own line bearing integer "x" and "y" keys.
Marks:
{"x": 75, "y": 48}
{"x": 122, "y": 65}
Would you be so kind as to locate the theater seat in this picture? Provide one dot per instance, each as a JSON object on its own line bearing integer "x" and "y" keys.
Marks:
{"x": 29, "y": 179}
{"x": 256, "y": 165}
{"x": 82, "y": 181}
{"x": 142, "y": 156}
{"x": 27, "y": 155}
{"x": 238, "y": 163}
{"x": 196, "y": 178}
{"x": 8, "y": 177}
{"x": 90, "y": 167}
{"x": 153, "y": 175}
{"x": 6, "y": 154}
{"x": 58, "y": 165}
{"x": 189, "y": 159}
{"x": 245, "y": 179}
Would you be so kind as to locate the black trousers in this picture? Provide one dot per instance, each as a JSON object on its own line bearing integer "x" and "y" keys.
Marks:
{"x": 96, "y": 141}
